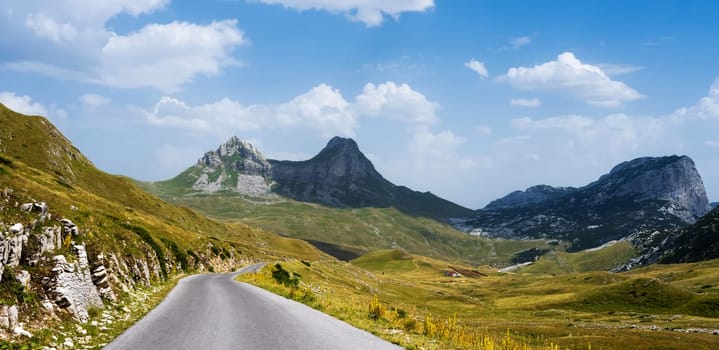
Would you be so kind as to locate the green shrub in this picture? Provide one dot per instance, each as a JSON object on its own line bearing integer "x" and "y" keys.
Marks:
{"x": 283, "y": 277}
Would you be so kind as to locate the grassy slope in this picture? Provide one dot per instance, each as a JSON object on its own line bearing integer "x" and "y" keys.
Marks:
{"x": 558, "y": 262}
{"x": 358, "y": 229}
{"x": 575, "y": 310}
{"x": 38, "y": 162}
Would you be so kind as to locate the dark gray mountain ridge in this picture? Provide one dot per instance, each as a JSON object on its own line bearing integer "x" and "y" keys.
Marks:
{"x": 645, "y": 194}
{"x": 338, "y": 176}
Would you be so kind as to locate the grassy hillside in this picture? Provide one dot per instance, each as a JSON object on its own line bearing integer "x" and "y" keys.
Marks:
{"x": 356, "y": 229}
{"x": 418, "y": 306}
{"x": 605, "y": 259}
{"x": 38, "y": 162}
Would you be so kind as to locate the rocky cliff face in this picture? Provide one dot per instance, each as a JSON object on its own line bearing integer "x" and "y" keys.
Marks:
{"x": 643, "y": 195}
{"x": 339, "y": 176}
{"x": 673, "y": 179}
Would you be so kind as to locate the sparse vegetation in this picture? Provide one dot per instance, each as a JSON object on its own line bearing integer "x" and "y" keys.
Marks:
{"x": 408, "y": 300}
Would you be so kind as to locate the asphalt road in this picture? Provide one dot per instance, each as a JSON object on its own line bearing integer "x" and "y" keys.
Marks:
{"x": 212, "y": 311}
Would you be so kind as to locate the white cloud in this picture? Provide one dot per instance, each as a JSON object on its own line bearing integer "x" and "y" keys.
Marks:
{"x": 322, "y": 109}
{"x": 398, "y": 102}
{"x": 518, "y": 42}
{"x": 166, "y": 56}
{"x": 22, "y": 104}
{"x": 524, "y": 102}
{"x": 44, "y": 26}
{"x": 706, "y": 108}
{"x": 370, "y": 12}
{"x": 82, "y": 48}
{"x": 613, "y": 69}
{"x": 711, "y": 143}
{"x": 569, "y": 76}
{"x": 93, "y": 100}
{"x": 478, "y": 67}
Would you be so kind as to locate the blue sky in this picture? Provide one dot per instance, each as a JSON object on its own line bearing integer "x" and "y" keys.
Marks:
{"x": 467, "y": 99}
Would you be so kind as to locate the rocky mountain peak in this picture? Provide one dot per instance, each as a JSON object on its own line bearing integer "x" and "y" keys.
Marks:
{"x": 671, "y": 178}
{"x": 236, "y": 155}
{"x": 644, "y": 195}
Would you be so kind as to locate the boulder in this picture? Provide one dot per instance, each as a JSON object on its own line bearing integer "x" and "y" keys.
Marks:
{"x": 19, "y": 331}
{"x": 24, "y": 278}
{"x": 17, "y": 228}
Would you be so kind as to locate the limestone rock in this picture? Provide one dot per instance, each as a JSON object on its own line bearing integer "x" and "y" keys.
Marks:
{"x": 24, "y": 278}
{"x": 101, "y": 279}
{"x": 69, "y": 227}
{"x": 16, "y": 228}
{"x": 70, "y": 285}
{"x": 5, "y": 316}
{"x": 36, "y": 207}
{"x": 19, "y": 331}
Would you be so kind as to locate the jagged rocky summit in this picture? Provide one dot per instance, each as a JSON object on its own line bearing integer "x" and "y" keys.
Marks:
{"x": 340, "y": 175}
{"x": 638, "y": 196}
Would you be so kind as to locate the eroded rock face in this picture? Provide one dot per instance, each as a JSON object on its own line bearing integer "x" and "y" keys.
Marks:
{"x": 71, "y": 286}
{"x": 639, "y": 196}
{"x": 235, "y": 166}
{"x": 101, "y": 279}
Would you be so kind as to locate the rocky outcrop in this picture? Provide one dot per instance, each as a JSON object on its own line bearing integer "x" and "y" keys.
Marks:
{"x": 632, "y": 201}
{"x": 101, "y": 279}
{"x": 236, "y": 166}
{"x": 70, "y": 285}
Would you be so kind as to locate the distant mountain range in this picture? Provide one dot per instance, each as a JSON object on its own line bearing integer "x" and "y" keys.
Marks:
{"x": 642, "y": 195}
{"x": 338, "y": 176}
{"x": 644, "y": 201}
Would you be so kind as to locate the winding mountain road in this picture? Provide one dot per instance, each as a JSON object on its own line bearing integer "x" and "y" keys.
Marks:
{"x": 213, "y": 311}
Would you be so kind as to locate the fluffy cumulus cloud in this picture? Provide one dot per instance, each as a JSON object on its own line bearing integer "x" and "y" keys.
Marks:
{"x": 706, "y": 108}
{"x": 525, "y": 102}
{"x": 79, "y": 46}
{"x": 370, "y": 12}
{"x": 22, "y": 104}
{"x": 168, "y": 55}
{"x": 398, "y": 102}
{"x": 322, "y": 109}
{"x": 567, "y": 75}
{"x": 478, "y": 67}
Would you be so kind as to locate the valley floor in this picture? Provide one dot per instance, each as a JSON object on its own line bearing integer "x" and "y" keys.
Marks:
{"x": 411, "y": 301}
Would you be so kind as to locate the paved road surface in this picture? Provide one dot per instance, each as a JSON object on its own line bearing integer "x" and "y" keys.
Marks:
{"x": 213, "y": 311}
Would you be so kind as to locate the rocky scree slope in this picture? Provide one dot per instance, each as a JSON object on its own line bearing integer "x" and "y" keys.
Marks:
{"x": 697, "y": 242}
{"x": 338, "y": 176}
{"x": 73, "y": 238}
{"x": 645, "y": 195}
